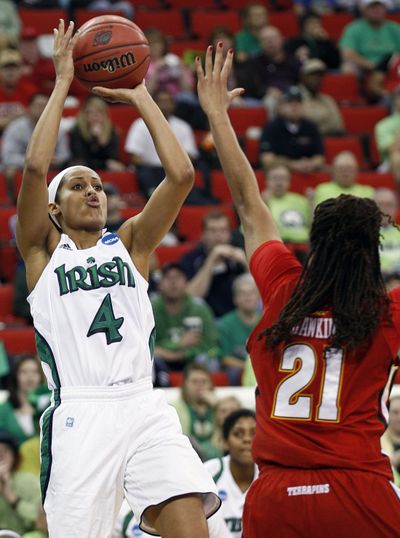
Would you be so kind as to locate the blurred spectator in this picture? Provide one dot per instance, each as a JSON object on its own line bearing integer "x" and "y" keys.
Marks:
{"x": 16, "y": 413}
{"x": 235, "y": 472}
{"x": 19, "y": 492}
{"x": 115, "y": 218}
{"x": 15, "y": 92}
{"x": 390, "y": 440}
{"x": 10, "y": 23}
{"x": 290, "y": 210}
{"x": 108, "y": 6}
{"x": 387, "y": 136}
{"x": 390, "y": 235}
{"x": 185, "y": 330}
{"x": 36, "y": 68}
{"x": 94, "y": 140}
{"x": 247, "y": 41}
{"x": 166, "y": 71}
{"x": 270, "y": 72}
{"x": 384, "y": 79}
{"x": 214, "y": 263}
{"x": 319, "y": 107}
{"x": 314, "y": 42}
{"x": 223, "y": 407}
{"x": 366, "y": 41}
{"x": 195, "y": 408}
{"x": 235, "y": 327}
{"x": 344, "y": 180}
{"x": 140, "y": 146}
{"x": 291, "y": 139}
{"x": 248, "y": 377}
{"x": 16, "y": 137}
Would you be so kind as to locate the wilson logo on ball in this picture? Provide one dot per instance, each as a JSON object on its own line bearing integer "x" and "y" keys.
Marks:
{"x": 102, "y": 38}
{"x": 111, "y": 64}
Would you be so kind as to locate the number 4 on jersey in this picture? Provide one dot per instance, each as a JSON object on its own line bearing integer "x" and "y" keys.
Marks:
{"x": 105, "y": 321}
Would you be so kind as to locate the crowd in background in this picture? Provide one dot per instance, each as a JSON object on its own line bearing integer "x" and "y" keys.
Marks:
{"x": 205, "y": 301}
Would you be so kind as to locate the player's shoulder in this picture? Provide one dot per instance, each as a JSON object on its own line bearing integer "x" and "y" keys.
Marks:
{"x": 215, "y": 467}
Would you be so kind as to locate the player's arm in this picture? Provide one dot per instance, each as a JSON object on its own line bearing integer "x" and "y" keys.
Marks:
{"x": 256, "y": 219}
{"x": 33, "y": 225}
{"x": 149, "y": 227}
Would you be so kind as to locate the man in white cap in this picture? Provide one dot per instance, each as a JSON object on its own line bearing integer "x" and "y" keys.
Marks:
{"x": 366, "y": 41}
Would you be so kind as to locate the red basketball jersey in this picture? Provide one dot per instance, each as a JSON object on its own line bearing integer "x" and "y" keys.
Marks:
{"x": 316, "y": 406}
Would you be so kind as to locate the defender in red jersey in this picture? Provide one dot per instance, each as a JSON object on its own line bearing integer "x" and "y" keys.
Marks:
{"x": 323, "y": 353}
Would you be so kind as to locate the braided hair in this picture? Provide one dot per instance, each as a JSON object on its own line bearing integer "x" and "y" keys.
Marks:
{"x": 342, "y": 273}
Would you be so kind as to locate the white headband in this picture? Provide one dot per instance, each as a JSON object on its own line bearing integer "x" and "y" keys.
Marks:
{"x": 55, "y": 183}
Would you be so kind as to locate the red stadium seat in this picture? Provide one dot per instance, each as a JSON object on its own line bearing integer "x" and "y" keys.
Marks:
{"x": 5, "y": 214}
{"x": 128, "y": 212}
{"x": 82, "y": 15}
{"x": 361, "y": 120}
{"x": 220, "y": 188}
{"x": 18, "y": 340}
{"x": 334, "y": 23}
{"x": 174, "y": 253}
{"x": 169, "y": 23}
{"x": 335, "y": 144}
{"x": 203, "y": 22}
{"x": 190, "y": 219}
{"x": 123, "y": 116}
{"x": 126, "y": 182}
{"x": 244, "y": 117}
{"x": 252, "y": 151}
{"x": 43, "y": 20}
{"x": 4, "y": 200}
{"x": 342, "y": 87}
{"x": 377, "y": 180}
{"x": 301, "y": 182}
{"x": 203, "y": 4}
{"x": 180, "y": 47}
{"x": 286, "y": 21}
{"x": 6, "y": 306}
{"x": 8, "y": 261}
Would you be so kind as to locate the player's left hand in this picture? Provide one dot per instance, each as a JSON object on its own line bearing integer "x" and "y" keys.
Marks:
{"x": 121, "y": 95}
{"x": 212, "y": 86}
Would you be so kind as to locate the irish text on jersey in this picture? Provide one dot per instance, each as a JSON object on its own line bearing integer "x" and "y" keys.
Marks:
{"x": 106, "y": 275}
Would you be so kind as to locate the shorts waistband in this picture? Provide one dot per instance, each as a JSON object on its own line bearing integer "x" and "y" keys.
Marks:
{"x": 112, "y": 392}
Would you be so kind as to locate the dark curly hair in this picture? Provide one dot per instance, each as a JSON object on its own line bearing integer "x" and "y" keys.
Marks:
{"x": 342, "y": 273}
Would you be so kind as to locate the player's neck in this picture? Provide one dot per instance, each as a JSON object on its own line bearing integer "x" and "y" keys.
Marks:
{"x": 83, "y": 238}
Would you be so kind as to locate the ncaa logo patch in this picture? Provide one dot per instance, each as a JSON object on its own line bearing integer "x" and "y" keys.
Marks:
{"x": 102, "y": 38}
{"x": 222, "y": 494}
{"x": 110, "y": 239}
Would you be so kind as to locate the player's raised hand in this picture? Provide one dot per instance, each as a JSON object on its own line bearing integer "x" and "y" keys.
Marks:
{"x": 64, "y": 42}
{"x": 122, "y": 95}
{"x": 212, "y": 85}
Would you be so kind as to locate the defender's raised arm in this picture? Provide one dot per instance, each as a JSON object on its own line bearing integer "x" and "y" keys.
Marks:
{"x": 258, "y": 225}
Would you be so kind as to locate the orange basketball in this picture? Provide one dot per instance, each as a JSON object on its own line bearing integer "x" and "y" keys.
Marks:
{"x": 111, "y": 51}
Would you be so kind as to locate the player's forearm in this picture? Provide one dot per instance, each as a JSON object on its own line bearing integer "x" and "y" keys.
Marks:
{"x": 175, "y": 161}
{"x": 44, "y": 138}
{"x": 237, "y": 169}
{"x": 201, "y": 282}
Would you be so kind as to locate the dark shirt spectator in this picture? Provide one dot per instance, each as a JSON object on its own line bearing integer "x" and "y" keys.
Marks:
{"x": 94, "y": 140}
{"x": 314, "y": 42}
{"x": 213, "y": 264}
{"x": 292, "y": 139}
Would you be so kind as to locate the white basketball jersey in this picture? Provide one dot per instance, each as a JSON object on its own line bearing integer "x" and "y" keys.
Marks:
{"x": 93, "y": 319}
{"x": 231, "y": 495}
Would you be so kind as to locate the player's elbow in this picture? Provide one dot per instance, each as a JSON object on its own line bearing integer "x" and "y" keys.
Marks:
{"x": 184, "y": 175}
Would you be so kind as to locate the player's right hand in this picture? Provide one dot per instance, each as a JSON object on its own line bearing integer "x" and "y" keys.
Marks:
{"x": 130, "y": 96}
{"x": 64, "y": 42}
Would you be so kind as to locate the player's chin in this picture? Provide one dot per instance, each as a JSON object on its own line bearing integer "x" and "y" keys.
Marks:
{"x": 94, "y": 223}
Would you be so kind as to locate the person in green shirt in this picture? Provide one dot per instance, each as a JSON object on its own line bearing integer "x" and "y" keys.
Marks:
{"x": 386, "y": 200}
{"x": 247, "y": 43}
{"x": 185, "y": 329}
{"x": 235, "y": 327}
{"x": 387, "y": 136}
{"x": 366, "y": 41}
{"x": 344, "y": 177}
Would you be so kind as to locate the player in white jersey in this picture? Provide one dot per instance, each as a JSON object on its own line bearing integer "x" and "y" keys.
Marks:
{"x": 107, "y": 433}
{"x": 234, "y": 473}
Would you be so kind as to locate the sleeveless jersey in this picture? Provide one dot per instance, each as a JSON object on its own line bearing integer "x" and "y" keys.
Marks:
{"x": 231, "y": 495}
{"x": 318, "y": 407}
{"x": 93, "y": 319}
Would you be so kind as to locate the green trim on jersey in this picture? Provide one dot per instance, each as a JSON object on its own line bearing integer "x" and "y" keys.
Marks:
{"x": 46, "y": 457}
{"x": 46, "y": 355}
{"x": 152, "y": 341}
{"x": 128, "y": 518}
{"x": 217, "y": 476}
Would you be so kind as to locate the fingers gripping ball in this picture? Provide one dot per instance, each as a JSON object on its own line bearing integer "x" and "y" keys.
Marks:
{"x": 111, "y": 51}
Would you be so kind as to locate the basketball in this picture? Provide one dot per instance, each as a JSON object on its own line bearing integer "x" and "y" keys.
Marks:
{"x": 111, "y": 51}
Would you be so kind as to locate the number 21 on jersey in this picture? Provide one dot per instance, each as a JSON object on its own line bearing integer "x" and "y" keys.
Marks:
{"x": 292, "y": 401}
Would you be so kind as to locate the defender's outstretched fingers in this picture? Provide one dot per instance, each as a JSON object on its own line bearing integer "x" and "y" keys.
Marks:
{"x": 199, "y": 69}
{"x": 226, "y": 68}
{"x": 218, "y": 60}
{"x": 69, "y": 31}
{"x": 208, "y": 63}
{"x": 74, "y": 39}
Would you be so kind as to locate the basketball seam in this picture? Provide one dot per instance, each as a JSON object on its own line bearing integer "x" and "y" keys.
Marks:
{"x": 103, "y": 23}
{"x": 97, "y": 82}
{"x": 110, "y": 48}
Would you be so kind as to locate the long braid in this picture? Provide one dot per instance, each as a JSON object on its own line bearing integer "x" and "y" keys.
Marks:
{"x": 342, "y": 272}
